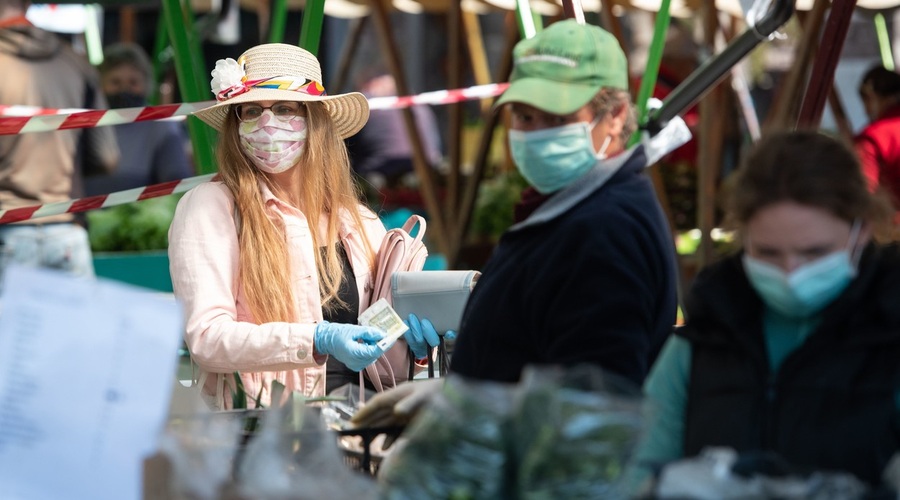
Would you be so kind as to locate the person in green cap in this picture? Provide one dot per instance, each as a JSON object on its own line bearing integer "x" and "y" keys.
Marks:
{"x": 587, "y": 274}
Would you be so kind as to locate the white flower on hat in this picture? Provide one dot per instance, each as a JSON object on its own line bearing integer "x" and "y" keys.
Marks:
{"x": 227, "y": 74}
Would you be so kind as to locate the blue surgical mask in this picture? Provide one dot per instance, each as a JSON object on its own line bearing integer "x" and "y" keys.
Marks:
{"x": 809, "y": 288}
{"x": 553, "y": 158}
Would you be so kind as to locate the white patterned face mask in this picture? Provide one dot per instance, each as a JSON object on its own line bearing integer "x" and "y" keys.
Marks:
{"x": 273, "y": 145}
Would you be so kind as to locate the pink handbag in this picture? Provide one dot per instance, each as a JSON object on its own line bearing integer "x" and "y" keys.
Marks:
{"x": 398, "y": 252}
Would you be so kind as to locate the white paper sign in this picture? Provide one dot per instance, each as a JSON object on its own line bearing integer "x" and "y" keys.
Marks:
{"x": 86, "y": 371}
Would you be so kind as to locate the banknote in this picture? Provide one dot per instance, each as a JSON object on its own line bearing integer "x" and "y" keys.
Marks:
{"x": 382, "y": 315}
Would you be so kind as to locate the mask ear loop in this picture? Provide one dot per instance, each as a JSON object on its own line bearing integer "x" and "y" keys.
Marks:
{"x": 601, "y": 155}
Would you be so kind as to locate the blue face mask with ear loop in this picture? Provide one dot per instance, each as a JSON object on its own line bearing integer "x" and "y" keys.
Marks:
{"x": 809, "y": 288}
{"x": 553, "y": 158}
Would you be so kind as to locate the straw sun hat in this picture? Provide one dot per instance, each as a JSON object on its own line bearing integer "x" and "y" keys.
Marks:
{"x": 280, "y": 72}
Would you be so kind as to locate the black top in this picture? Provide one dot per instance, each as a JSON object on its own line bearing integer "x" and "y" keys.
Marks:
{"x": 336, "y": 373}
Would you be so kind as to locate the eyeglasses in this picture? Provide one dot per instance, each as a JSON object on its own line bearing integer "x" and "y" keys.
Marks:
{"x": 283, "y": 110}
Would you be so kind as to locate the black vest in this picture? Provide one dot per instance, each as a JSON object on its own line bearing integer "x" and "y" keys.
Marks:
{"x": 831, "y": 406}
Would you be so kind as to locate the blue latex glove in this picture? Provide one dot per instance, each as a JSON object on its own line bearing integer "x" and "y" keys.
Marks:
{"x": 421, "y": 336}
{"x": 352, "y": 345}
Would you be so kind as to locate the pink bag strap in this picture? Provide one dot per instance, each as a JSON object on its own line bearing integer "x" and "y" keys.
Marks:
{"x": 411, "y": 223}
{"x": 399, "y": 251}
{"x": 416, "y": 253}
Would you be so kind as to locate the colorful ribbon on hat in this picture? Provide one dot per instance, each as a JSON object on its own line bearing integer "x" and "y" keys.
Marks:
{"x": 310, "y": 87}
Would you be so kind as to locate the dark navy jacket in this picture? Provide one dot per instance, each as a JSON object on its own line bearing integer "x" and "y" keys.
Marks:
{"x": 589, "y": 277}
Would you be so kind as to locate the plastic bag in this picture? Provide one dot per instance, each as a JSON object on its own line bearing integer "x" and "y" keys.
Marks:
{"x": 455, "y": 448}
{"x": 202, "y": 449}
{"x": 711, "y": 475}
{"x": 574, "y": 431}
{"x": 560, "y": 433}
{"x": 293, "y": 456}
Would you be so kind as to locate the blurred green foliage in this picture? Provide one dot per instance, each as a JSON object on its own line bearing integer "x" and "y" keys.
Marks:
{"x": 138, "y": 226}
{"x": 687, "y": 242}
{"x": 496, "y": 201}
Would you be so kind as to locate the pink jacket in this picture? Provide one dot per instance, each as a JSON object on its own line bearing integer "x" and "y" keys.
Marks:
{"x": 220, "y": 331}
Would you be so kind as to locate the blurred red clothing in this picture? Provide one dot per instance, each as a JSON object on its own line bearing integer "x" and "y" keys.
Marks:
{"x": 878, "y": 147}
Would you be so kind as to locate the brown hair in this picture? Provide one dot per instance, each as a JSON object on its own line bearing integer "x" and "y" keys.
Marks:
{"x": 805, "y": 167}
{"x": 327, "y": 191}
{"x": 610, "y": 100}
{"x": 882, "y": 81}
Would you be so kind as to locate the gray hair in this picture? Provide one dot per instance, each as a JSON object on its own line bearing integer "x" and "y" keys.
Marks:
{"x": 610, "y": 100}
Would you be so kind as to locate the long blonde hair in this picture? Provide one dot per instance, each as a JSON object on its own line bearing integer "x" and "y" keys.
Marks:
{"x": 326, "y": 188}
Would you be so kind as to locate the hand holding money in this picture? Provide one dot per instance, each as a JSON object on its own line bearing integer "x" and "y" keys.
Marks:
{"x": 354, "y": 345}
{"x": 382, "y": 315}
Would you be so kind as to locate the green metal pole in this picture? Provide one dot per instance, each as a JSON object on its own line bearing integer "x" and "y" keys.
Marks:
{"x": 311, "y": 30}
{"x": 279, "y": 20}
{"x": 92, "y": 38}
{"x": 159, "y": 48}
{"x": 884, "y": 42}
{"x": 529, "y": 24}
{"x": 180, "y": 24}
{"x": 654, "y": 57}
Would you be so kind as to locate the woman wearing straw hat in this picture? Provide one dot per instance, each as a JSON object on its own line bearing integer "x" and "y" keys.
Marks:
{"x": 271, "y": 262}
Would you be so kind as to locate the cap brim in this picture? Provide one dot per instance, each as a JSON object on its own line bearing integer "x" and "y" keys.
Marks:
{"x": 552, "y": 97}
{"x": 348, "y": 111}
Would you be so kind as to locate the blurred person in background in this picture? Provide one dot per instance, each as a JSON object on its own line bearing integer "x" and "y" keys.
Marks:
{"x": 40, "y": 69}
{"x": 878, "y": 144}
{"x": 382, "y": 151}
{"x": 791, "y": 346}
{"x": 152, "y": 151}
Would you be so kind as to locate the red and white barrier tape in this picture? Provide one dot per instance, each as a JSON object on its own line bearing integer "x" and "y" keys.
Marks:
{"x": 19, "y": 110}
{"x": 102, "y": 201}
{"x": 16, "y": 120}
{"x": 42, "y": 120}
{"x": 439, "y": 96}
{"x": 95, "y": 118}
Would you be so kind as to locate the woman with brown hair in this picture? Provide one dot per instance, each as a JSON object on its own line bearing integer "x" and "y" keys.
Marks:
{"x": 791, "y": 346}
{"x": 272, "y": 261}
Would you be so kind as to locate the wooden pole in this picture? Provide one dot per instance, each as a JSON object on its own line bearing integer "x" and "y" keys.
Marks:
{"x": 477, "y": 53}
{"x": 126, "y": 23}
{"x": 572, "y": 9}
{"x": 341, "y": 79}
{"x": 710, "y": 153}
{"x": 840, "y": 115}
{"x": 825, "y": 64}
{"x": 454, "y": 73}
{"x": 612, "y": 23}
{"x": 490, "y": 120}
{"x": 787, "y": 99}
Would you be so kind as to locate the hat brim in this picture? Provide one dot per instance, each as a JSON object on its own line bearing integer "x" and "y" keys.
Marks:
{"x": 551, "y": 97}
{"x": 350, "y": 111}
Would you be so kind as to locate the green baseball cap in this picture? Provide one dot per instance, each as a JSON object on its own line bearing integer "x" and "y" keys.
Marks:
{"x": 562, "y": 68}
